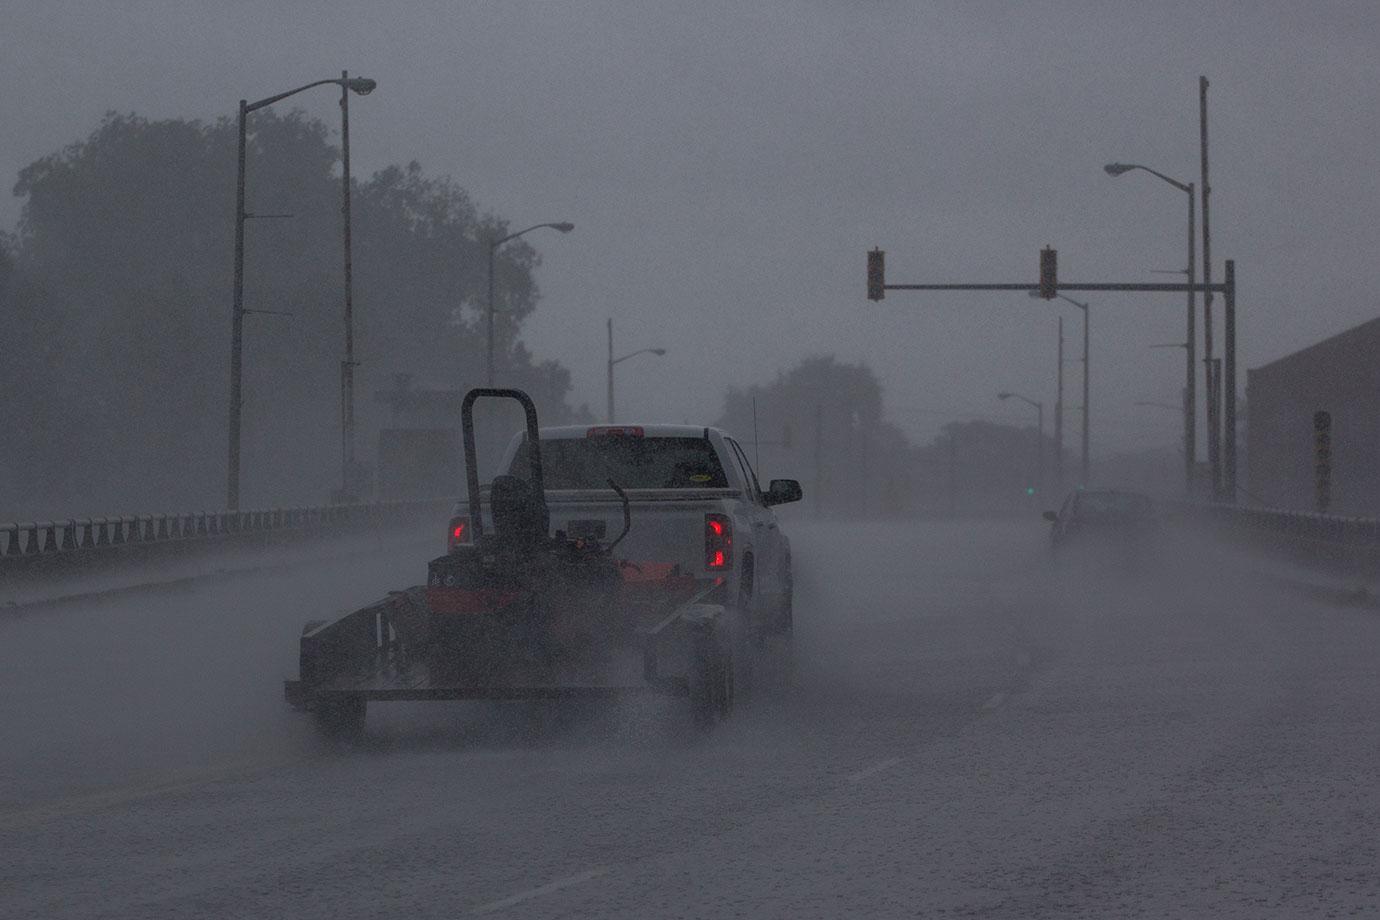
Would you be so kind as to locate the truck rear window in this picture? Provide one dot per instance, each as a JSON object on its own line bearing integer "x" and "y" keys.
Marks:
{"x": 633, "y": 463}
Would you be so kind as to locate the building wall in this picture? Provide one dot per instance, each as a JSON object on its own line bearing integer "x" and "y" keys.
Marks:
{"x": 1340, "y": 375}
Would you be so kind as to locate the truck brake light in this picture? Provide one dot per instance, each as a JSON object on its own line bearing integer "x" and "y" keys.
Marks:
{"x": 718, "y": 542}
{"x": 458, "y": 532}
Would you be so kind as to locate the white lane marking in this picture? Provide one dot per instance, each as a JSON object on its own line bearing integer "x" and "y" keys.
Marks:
{"x": 540, "y": 890}
{"x": 873, "y": 770}
{"x": 171, "y": 783}
{"x": 994, "y": 701}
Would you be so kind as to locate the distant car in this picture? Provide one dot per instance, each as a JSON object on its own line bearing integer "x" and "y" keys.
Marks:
{"x": 1102, "y": 514}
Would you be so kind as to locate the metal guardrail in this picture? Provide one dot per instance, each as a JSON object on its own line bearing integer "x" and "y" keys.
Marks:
{"x": 103, "y": 536}
{"x": 1305, "y": 525}
{"x": 1344, "y": 545}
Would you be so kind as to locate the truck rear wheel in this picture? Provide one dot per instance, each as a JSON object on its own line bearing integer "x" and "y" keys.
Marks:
{"x": 711, "y": 687}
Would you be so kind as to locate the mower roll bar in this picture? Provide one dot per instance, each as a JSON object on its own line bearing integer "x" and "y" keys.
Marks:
{"x": 537, "y": 482}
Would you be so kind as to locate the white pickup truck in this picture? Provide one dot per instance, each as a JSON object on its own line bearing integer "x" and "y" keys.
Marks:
{"x": 696, "y": 508}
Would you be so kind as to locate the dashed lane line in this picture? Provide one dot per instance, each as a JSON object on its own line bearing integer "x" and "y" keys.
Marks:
{"x": 178, "y": 781}
{"x": 994, "y": 701}
{"x": 550, "y": 887}
{"x": 873, "y": 770}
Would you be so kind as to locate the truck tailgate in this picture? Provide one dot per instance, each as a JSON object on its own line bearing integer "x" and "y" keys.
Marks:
{"x": 667, "y": 524}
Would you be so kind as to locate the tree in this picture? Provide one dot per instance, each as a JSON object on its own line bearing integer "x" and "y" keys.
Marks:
{"x": 120, "y": 300}
{"x": 821, "y": 422}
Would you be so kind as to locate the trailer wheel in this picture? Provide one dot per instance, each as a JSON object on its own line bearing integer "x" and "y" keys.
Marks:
{"x": 342, "y": 718}
{"x": 786, "y": 620}
{"x": 711, "y": 684}
{"x": 723, "y": 667}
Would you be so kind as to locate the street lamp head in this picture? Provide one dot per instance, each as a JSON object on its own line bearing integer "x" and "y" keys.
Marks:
{"x": 1003, "y": 395}
{"x": 564, "y": 226}
{"x": 1116, "y": 169}
{"x": 362, "y": 86}
{"x": 659, "y": 352}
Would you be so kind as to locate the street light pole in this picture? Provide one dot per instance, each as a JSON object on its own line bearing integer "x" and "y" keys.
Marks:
{"x": 1190, "y": 358}
{"x": 1213, "y": 421}
{"x": 1086, "y": 473}
{"x": 347, "y": 366}
{"x": 1184, "y": 407}
{"x": 1039, "y": 435}
{"x": 232, "y": 487}
{"x": 1059, "y": 414}
{"x": 362, "y": 86}
{"x": 1190, "y": 341}
{"x": 562, "y": 226}
{"x": 612, "y": 361}
{"x": 1186, "y": 410}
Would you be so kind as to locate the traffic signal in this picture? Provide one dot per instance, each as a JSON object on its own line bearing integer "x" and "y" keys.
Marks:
{"x": 876, "y": 274}
{"x": 1049, "y": 273}
{"x": 1322, "y": 459}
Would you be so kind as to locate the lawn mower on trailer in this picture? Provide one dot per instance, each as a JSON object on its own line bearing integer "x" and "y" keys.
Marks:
{"x": 519, "y": 613}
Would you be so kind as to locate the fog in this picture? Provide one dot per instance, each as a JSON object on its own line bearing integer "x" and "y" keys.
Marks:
{"x": 1022, "y": 733}
{"x": 972, "y": 723}
{"x": 726, "y": 171}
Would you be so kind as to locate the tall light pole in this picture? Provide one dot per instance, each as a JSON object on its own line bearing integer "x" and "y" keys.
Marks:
{"x": 347, "y": 366}
{"x": 1039, "y": 435}
{"x": 564, "y": 227}
{"x": 1190, "y": 340}
{"x": 1185, "y": 407}
{"x": 612, "y": 361}
{"x": 1059, "y": 414}
{"x": 360, "y": 85}
{"x": 1086, "y": 474}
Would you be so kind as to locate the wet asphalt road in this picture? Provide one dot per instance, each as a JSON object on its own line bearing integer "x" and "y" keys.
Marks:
{"x": 971, "y": 732}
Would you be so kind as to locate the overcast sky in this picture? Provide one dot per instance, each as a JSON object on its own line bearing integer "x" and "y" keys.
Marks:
{"x": 727, "y": 166}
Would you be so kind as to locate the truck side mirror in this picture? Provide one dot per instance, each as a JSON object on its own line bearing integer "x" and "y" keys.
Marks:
{"x": 782, "y": 491}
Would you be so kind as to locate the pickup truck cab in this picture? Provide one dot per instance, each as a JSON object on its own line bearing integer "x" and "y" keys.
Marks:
{"x": 696, "y": 507}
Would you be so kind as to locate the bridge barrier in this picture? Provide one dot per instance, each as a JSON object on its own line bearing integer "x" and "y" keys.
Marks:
{"x": 1350, "y": 544}
{"x": 59, "y": 547}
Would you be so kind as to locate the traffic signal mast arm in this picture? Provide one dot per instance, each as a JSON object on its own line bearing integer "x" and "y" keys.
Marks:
{"x": 1048, "y": 285}
{"x": 1153, "y": 287}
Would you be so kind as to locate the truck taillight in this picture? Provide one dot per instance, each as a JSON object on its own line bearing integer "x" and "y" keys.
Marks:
{"x": 458, "y": 532}
{"x": 718, "y": 542}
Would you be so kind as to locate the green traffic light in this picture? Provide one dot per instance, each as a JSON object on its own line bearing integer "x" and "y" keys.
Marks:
{"x": 1029, "y": 490}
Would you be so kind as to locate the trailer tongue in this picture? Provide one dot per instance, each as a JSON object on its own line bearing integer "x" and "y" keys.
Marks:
{"x": 520, "y": 614}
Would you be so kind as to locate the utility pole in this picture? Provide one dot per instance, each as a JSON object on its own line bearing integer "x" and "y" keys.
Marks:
{"x": 953, "y": 473}
{"x": 610, "y": 382}
{"x": 866, "y": 472}
{"x": 1229, "y": 403}
{"x": 1214, "y": 431}
{"x": 1190, "y": 349}
{"x": 232, "y": 488}
{"x": 347, "y": 366}
{"x": 1188, "y": 409}
{"x": 819, "y": 460}
{"x": 1086, "y": 466}
{"x": 1059, "y": 415}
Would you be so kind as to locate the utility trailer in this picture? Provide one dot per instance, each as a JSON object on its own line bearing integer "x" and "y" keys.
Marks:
{"x": 519, "y": 614}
